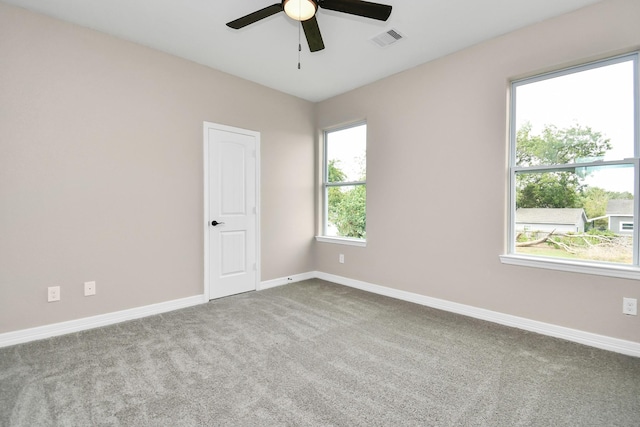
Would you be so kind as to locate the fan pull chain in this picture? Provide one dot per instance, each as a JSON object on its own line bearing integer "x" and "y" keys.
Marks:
{"x": 299, "y": 45}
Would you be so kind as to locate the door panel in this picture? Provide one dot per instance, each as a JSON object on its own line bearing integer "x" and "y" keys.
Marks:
{"x": 233, "y": 247}
{"x": 232, "y": 178}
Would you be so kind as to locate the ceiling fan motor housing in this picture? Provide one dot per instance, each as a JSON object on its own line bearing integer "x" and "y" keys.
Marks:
{"x": 300, "y": 10}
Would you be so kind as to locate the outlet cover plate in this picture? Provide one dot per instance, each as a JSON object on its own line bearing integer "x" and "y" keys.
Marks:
{"x": 53, "y": 293}
{"x": 89, "y": 288}
{"x": 630, "y": 306}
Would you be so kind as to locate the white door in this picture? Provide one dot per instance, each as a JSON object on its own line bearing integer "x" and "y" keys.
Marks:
{"x": 231, "y": 210}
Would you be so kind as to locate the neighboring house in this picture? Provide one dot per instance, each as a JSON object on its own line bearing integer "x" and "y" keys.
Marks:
{"x": 550, "y": 219}
{"x": 620, "y": 214}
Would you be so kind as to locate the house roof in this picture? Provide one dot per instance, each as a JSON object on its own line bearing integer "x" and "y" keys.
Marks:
{"x": 620, "y": 207}
{"x": 550, "y": 215}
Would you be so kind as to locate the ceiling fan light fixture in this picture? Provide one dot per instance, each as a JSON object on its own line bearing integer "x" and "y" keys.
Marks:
{"x": 300, "y": 10}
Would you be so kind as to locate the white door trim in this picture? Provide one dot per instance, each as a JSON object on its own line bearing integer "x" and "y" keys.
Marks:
{"x": 207, "y": 268}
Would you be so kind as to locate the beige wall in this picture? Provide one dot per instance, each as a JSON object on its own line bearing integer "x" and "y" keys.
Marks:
{"x": 436, "y": 177}
{"x": 101, "y": 171}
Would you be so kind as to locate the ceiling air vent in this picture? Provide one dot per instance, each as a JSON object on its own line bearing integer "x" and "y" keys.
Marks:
{"x": 387, "y": 38}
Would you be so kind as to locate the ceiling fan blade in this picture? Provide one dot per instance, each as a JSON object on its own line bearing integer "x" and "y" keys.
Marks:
{"x": 312, "y": 33}
{"x": 255, "y": 16}
{"x": 367, "y": 9}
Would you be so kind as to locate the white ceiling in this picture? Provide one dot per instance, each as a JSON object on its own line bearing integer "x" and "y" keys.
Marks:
{"x": 267, "y": 52}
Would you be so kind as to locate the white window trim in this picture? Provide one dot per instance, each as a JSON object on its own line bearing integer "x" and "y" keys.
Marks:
{"x": 564, "y": 264}
{"x": 342, "y": 241}
{"x": 573, "y": 266}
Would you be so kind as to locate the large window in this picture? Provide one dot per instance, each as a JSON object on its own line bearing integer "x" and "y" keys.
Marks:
{"x": 345, "y": 182}
{"x": 574, "y": 166}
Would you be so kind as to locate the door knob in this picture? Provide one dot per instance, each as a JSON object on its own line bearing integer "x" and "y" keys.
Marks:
{"x": 214, "y": 223}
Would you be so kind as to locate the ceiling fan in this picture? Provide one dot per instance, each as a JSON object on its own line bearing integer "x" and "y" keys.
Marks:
{"x": 305, "y": 12}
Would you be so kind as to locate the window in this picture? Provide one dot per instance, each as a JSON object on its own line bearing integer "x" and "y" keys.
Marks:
{"x": 345, "y": 183}
{"x": 626, "y": 226}
{"x": 574, "y": 166}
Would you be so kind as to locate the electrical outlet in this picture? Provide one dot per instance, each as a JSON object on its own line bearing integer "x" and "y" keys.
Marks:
{"x": 630, "y": 306}
{"x": 53, "y": 293}
{"x": 341, "y": 259}
{"x": 89, "y": 288}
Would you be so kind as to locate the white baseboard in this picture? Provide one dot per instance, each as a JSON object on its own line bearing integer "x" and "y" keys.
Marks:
{"x": 630, "y": 348}
{"x": 55, "y": 329}
{"x": 286, "y": 280}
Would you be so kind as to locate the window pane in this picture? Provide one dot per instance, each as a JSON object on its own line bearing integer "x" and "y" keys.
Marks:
{"x": 347, "y": 211}
{"x": 586, "y": 213}
{"x": 575, "y": 118}
{"x": 346, "y": 152}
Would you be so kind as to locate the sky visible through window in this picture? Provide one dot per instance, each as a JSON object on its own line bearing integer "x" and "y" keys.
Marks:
{"x": 348, "y": 147}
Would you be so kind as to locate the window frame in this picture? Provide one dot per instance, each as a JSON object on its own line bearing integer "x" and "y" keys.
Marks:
{"x": 629, "y": 271}
{"x": 324, "y": 216}
{"x": 629, "y": 226}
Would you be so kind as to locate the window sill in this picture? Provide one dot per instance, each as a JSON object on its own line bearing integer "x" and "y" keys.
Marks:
{"x": 611, "y": 270}
{"x": 342, "y": 241}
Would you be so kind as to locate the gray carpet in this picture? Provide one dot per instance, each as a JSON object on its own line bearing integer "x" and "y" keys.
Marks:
{"x": 314, "y": 354}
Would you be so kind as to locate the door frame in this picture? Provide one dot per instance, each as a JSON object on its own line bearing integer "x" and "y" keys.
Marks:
{"x": 207, "y": 268}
